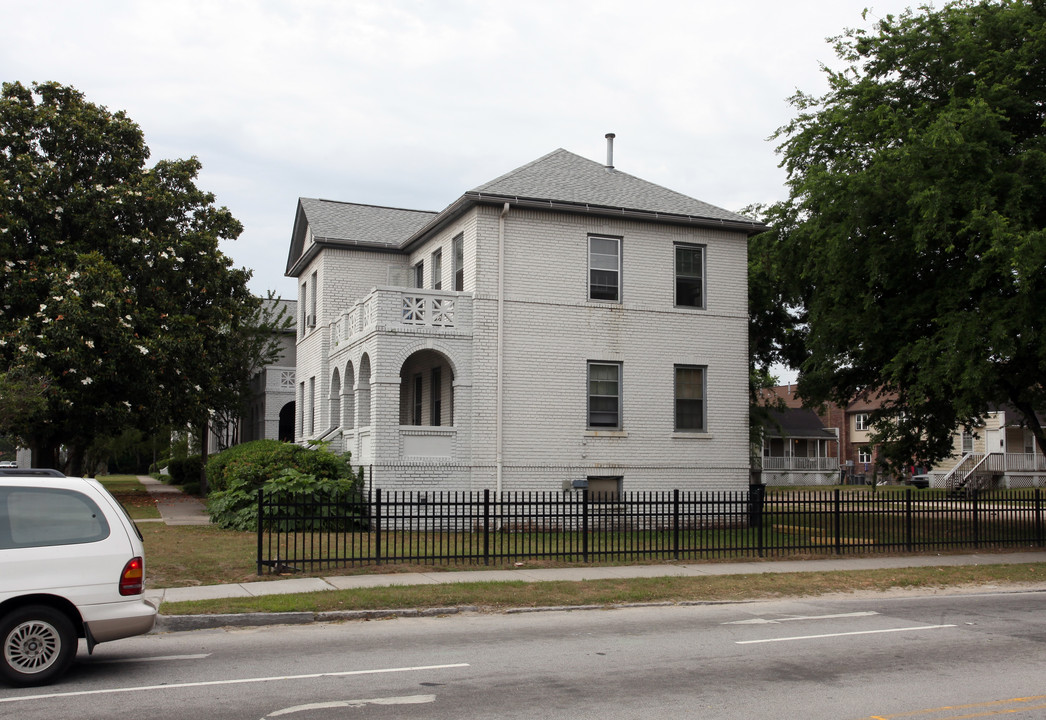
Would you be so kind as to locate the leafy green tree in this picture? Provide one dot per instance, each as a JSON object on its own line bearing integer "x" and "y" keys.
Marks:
{"x": 914, "y": 235}
{"x": 772, "y": 337}
{"x": 117, "y": 308}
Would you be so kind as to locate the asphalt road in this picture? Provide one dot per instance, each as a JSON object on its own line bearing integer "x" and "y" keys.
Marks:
{"x": 932, "y": 657}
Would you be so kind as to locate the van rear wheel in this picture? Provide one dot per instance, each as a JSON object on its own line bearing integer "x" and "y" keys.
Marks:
{"x": 38, "y": 644}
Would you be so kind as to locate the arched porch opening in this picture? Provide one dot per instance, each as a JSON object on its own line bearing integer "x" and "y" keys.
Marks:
{"x": 427, "y": 390}
{"x": 286, "y": 431}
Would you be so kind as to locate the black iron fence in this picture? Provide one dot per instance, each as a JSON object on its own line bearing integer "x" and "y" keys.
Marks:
{"x": 312, "y": 534}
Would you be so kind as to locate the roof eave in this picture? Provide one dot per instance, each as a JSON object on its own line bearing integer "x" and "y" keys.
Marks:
{"x": 459, "y": 206}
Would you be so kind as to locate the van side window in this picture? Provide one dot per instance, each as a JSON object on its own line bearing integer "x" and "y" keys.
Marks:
{"x": 38, "y": 517}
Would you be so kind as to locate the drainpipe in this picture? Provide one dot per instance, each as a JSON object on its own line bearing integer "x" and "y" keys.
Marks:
{"x": 499, "y": 462}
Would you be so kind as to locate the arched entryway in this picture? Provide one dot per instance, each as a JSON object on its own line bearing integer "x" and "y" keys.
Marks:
{"x": 427, "y": 390}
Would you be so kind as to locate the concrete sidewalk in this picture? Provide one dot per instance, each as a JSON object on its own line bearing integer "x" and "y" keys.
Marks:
{"x": 176, "y": 508}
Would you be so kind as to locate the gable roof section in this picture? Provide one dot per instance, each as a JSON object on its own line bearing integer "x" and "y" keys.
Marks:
{"x": 565, "y": 182}
{"x": 345, "y": 224}
{"x": 564, "y": 177}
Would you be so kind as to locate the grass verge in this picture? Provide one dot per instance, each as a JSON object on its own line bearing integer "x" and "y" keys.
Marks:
{"x": 499, "y": 596}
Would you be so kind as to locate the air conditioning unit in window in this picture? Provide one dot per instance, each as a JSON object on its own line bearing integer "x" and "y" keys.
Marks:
{"x": 310, "y": 321}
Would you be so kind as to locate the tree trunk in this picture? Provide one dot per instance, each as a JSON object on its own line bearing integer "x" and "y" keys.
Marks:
{"x": 204, "y": 439}
{"x": 44, "y": 454}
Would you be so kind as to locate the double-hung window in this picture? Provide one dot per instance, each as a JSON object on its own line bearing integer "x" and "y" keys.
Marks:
{"x": 604, "y": 395}
{"x": 861, "y": 421}
{"x": 457, "y": 246}
{"x": 690, "y": 276}
{"x": 419, "y": 275}
{"x": 437, "y": 270}
{"x": 604, "y": 268}
{"x": 690, "y": 397}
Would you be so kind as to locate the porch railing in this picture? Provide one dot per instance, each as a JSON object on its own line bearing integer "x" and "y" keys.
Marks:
{"x": 798, "y": 463}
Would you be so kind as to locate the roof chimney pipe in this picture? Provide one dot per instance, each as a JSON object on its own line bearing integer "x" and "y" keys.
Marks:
{"x": 610, "y": 151}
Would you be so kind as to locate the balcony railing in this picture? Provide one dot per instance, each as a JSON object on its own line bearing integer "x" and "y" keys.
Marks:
{"x": 798, "y": 463}
{"x": 389, "y": 308}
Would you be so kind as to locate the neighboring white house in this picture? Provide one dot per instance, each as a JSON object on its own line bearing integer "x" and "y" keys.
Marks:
{"x": 271, "y": 413}
{"x": 564, "y": 323}
{"x": 999, "y": 453}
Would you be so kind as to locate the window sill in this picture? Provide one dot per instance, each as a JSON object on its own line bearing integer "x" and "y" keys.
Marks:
{"x": 693, "y": 435}
{"x": 607, "y": 433}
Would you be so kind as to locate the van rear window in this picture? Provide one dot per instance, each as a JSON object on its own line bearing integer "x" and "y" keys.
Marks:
{"x": 38, "y": 517}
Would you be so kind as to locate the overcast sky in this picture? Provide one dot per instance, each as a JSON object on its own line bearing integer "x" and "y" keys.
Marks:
{"x": 409, "y": 104}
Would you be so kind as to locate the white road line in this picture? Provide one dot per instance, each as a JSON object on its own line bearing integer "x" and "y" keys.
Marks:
{"x": 406, "y": 700}
{"x": 158, "y": 658}
{"x": 831, "y": 635}
{"x": 241, "y": 681}
{"x": 766, "y": 621}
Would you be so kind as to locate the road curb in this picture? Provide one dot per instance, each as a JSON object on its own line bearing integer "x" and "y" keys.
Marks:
{"x": 181, "y": 623}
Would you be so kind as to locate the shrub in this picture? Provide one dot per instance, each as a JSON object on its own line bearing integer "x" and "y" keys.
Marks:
{"x": 185, "y": 470}
{"x": 235, "y": 476}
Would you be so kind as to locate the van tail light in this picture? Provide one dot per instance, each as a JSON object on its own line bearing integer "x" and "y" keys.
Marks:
{"x": 132, "y": 580}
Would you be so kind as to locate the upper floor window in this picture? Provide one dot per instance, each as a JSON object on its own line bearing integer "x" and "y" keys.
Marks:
{"x": 604, "y": 268}
{"x": 437, "y": 270}
{"x": 690, "y": 276}
{"x": 690, "y": 397}
{"x": 458, "y": 248}
{"x": 604, "y": 395}
{"x": 419, "y": 275}
{"x": 312, "y": 299}
{"x": 967, "y": 442}
{"x": 862, "y": 421}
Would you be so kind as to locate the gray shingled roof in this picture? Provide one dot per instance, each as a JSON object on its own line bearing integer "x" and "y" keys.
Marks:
{"x": 562, "y": 176}
{"x": 362, "y": 224}
{"x": 560, "y": 180}
{"x": 797, "y": 422}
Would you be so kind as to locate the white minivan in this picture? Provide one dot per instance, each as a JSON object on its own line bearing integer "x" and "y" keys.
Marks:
{"x": 72, "y": 565}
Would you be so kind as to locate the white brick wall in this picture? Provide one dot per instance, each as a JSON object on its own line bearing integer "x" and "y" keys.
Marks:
{"x": 551, "y": 330}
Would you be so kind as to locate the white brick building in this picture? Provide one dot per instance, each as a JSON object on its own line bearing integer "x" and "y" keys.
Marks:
{"x": 563, "y": 323}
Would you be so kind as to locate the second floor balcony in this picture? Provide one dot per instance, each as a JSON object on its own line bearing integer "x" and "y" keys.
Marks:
{"x": 387, "y": 309}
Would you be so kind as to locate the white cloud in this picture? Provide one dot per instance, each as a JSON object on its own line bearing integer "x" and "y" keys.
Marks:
{"x": 410, "y": 103}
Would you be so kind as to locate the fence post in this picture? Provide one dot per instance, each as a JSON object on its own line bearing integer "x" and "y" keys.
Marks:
{"x": 761, "y": 541}
{"x": 377, "y": 526}
{"x": 675, "y": 523}
{"x": 486, "y": 526}
{"x": 976, "y": 520}
{"x": 584, "y": 525}
{"x": 1038, "y": 517}
{"x": 259, "y": 531}
{"x": 838, "y": 521}
{"x": 909, "y": 523}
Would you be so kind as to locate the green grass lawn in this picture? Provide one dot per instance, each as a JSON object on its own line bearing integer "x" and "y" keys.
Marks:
{"x": 132, "y": 495}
